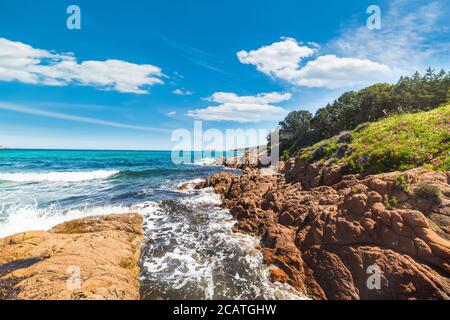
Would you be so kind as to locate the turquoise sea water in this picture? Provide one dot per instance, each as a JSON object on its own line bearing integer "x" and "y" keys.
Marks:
{"x": 190, "y": 251}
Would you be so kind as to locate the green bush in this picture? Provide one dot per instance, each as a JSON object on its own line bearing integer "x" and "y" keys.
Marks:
{"x": 401, "y": 183}
{"x": 396, "y": 143}
{"x": 391, "y": 203}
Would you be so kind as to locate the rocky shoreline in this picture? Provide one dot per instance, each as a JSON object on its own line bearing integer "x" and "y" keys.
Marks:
{"x": 323, "y": 232}
{"x": 94, "y": 258}
{"x": 326, "y": 234}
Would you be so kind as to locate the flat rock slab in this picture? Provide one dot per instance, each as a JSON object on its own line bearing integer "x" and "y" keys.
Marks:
{"x": 89, "y": 258}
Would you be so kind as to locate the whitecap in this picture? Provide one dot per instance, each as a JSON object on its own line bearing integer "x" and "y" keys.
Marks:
{"x": 21, "y": 218}
{"x": 56, "y": 176}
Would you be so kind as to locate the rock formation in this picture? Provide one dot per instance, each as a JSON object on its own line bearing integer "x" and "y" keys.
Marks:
{"x": 89, "y": 258}
{"x": 326, "y": 234}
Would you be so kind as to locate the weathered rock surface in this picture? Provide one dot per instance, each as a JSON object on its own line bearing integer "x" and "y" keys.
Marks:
{"x": 323, "y": 231}
{"x": 104, "y": 251}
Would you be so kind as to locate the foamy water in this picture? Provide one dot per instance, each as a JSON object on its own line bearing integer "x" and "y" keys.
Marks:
{"x": 76, "y": 176}
{"x": 190, "y": 250}
{"x": 22, "y": 218}
{"x": 205, "y": 161}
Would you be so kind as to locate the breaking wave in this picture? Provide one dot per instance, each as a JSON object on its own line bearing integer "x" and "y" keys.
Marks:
{"x": 73, "y": 176}
{"x": 20, "y": 218}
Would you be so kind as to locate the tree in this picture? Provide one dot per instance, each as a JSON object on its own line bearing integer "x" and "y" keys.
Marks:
{"x": 410, "y": 94}
{"x": 295, "y": 128}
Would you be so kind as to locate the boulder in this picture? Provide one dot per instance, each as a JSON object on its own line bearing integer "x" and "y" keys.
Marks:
{"x": 89, "y": 258}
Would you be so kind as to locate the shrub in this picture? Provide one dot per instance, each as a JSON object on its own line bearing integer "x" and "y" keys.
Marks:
{"x": 361, "y": 127}
{"x": 400, "y": 182}
{"x": 285, "y": 155}
{"x": 391, "y": 203}
{"x": 345, "y": 137}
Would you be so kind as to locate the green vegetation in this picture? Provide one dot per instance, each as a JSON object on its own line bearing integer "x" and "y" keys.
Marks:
{"x": 391, "y": 203}
{"x": 399, "y": 142}
{"x": 400, "y": 182}
{"x": 354, "y": 110}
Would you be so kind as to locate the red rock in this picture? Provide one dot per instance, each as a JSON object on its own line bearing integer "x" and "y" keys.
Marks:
{"x": 313, "y": 233}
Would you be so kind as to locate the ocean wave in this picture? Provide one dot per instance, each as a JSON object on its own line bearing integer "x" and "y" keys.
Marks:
{"x": 206, "y": 162}
{"x": 191, "y": 252}
{"x": 21, "y": 218}
{"x": 189, "y": 183}
{"x": 55, "y": 176}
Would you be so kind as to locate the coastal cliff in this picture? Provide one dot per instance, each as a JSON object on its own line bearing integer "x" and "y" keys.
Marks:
{"x": 323, "y": 239}
{"x": 89, "y": 258}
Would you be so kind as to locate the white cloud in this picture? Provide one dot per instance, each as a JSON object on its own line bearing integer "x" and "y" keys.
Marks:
{"x": 280, "y": 59}
{"x": 332, "y": 72}
{"x": 262, "y": 98}
{"x": 242, "y": 109}
{"x": 284, "y": 59}
{"x": 21, "y": 62}
{"x": 172, "y": 113}
{"x": 411, "y": 37}
{"x": 181, "y": 92}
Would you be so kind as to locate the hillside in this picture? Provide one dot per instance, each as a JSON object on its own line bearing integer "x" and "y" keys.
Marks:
{"x": 399, "y": 142}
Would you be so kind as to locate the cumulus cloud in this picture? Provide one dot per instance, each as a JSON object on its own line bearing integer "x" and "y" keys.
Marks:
{"x": 332, "y": 72}
{"x": 23, "y": 63}
{"x": 242, "y": 109}
{"x": 280, "y": 59}
{"x": 181, "y": 92}
{"x": 285, "y": 60}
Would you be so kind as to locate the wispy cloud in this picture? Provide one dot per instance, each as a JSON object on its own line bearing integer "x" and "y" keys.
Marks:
{"x": 22, "y": 62}
{"x": 413, "y": 34}
{"x": 74, "y": 118}
{"x": 195, "y": 55}
{"x": 243, "y": 109}
{"x": 182, "y": 92}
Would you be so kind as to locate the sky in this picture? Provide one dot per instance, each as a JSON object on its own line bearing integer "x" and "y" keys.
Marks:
{"x": 138, "y": 71}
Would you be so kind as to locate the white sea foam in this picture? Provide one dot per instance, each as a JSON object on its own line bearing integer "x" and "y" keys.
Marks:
{"x": 190, "y": 183}
{"x": 31, "y": 217}
{"x": 190, "y": 250}
{"x": 193, "y": 253}
{"x": 205, "y": 162}
{"x": 68, "y": 176}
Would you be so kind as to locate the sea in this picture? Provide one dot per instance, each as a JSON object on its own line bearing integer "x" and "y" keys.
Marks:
{"x": 189, "y": 251}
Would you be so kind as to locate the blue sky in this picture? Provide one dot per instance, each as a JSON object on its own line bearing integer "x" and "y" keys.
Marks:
{"x": 137, "y": 70}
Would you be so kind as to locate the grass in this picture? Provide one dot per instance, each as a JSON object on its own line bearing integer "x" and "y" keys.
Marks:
{"x": 400, "y": 182}
{"x": 391, "y": 203}
{"x": 400, "y": 142}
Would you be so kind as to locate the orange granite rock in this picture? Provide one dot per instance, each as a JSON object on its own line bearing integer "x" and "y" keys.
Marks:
{"x": 89, "y": 258}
